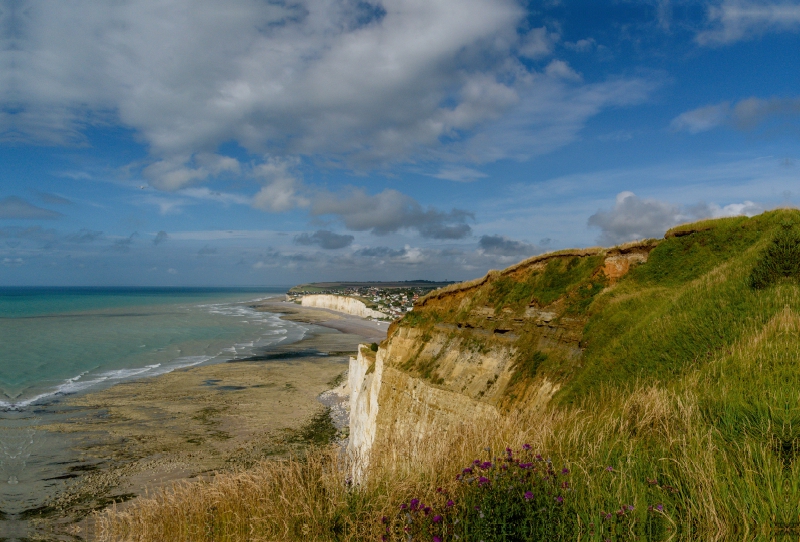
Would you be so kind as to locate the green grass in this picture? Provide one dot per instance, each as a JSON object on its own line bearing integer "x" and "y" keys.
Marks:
{"x": 686, "y": 397}
{"x": 560, "y": 276}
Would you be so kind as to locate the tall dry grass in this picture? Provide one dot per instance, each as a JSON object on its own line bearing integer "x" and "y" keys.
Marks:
{"x": 656, "y": 442}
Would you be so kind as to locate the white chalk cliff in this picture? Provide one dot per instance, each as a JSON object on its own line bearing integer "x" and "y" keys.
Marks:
{"x": 340, "y": 303}
{"x": 364, "y": 380}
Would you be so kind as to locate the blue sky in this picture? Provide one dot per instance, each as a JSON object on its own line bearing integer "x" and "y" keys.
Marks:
{"x": 175, "y": 143}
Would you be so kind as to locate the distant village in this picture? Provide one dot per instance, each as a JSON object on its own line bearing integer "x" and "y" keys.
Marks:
{"x": 393, "y": 301}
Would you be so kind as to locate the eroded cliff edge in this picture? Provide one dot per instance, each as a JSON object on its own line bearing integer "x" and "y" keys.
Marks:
{"x": 476, "y": 348}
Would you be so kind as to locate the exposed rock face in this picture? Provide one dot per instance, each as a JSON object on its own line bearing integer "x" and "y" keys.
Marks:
{"x": 341, "y": 304}
{"x": 466, "y": 356}
{"x": 364, "y": 380}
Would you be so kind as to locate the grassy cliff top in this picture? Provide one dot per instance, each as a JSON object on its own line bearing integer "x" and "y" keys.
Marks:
{"x": 703, "y": 289}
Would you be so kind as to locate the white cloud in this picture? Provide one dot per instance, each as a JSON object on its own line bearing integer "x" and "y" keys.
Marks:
{"x": 561, "y": 70}
{"x": 174, "y": 173}
{"x": 582, "y": 46}
{"x": 746, "y": 114}
{"x": 281, "y": 190}
{"x": 702, "y": 118}
{"x": 736, "y": 20}
{"x": 634, "y": 218}
{"x": 362, "y": 83}
{"x": 460, "y": 174}
{"x": 553, "y": 108}
{"x": 538, "y": 43}
{"x": 390, "y": 211}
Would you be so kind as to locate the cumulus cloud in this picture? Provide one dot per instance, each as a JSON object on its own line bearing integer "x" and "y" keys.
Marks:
{"x": 338, "y": 80}
{"x": 179, "y": 171}
{"x": 634, "y": 218}
{"x": 281, "y": 190}
{"x": 14, "y": 207}
{"x": 746, "y": 114}
{"x": 538, "y": 43}
{"x": 582, "y": 46}
{"x": 390, "y": 211}
{"x": 736, "y": 20}
{"x": 503, "y": 246}
{"x": 325, "y": 239}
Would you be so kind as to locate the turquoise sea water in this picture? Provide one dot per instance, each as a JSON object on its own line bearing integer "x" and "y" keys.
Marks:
{"x": 56, "y": 341}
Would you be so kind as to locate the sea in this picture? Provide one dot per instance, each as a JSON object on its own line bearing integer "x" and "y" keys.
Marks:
{"x": 58, "y": 341}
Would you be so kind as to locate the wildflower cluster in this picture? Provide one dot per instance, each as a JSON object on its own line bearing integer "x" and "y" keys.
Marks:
{"x": 515, "y": 496}
{"x": 520, "y": 495}
{"x": 417, "y": 520}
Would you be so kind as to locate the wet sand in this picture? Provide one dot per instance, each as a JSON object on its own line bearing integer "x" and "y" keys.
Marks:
{"x": 141, "y": 435}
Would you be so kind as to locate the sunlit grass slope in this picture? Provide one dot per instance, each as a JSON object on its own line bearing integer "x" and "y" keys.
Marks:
{"x": 680, "y": 420}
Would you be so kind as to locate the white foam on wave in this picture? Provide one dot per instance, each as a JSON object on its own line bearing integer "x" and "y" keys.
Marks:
{"x": 78, "y": 383}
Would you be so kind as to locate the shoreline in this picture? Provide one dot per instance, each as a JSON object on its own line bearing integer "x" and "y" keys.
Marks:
{"x": 141, "y": 435}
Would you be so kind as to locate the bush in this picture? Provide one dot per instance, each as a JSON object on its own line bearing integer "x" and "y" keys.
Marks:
{"x": 780, "y": 260}
{"x": 515, "y": 497}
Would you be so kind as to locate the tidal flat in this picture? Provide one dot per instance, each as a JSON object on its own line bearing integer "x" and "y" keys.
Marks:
{"x": 86, "y": 452}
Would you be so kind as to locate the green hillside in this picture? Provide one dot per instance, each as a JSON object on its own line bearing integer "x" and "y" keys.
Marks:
{"x": 673, "y": 410}
{"x": 705, "y": 288}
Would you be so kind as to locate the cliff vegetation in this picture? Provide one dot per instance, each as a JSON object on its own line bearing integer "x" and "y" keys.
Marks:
{"x": 646, "y": 391}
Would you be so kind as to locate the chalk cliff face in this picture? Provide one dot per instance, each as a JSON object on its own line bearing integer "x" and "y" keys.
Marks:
{"x": 476, "y": 348}
{"x": 340, "y": 303}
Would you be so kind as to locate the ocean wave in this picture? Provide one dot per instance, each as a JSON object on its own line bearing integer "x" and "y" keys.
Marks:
{"x": 274, "y": 331}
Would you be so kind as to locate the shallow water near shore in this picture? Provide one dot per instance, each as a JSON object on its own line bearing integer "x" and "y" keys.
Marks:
{"x": 61, "y": 343}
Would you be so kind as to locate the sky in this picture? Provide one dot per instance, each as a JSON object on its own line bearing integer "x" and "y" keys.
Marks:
{"x": 270, "y": 143}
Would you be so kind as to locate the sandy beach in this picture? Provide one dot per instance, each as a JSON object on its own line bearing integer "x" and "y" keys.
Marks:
{"x": 138, "y": 436}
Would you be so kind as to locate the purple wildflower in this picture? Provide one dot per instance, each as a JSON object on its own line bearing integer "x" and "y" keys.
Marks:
{"x": 565, "y": 470}
{"x": 403, "y": 506}
{"x": 526, "y": 446}
{"x": 467, "y": 471}
{"x": 450, "y": 503}
{"x": 610, "y": 468}
{"x": 528, "y": 495}
{"x": 630, "y": 507}
{"x": 414, "y": 504}
{"x": 437, "y": 518}
{"x": 436, "y": 539}
{"x": 486, "y": 465}
{"x": 539, "y": 457}
{"x": 660, "y": 507}
{"x": 482, "y": 481}
{"x": 559, "y": 499}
